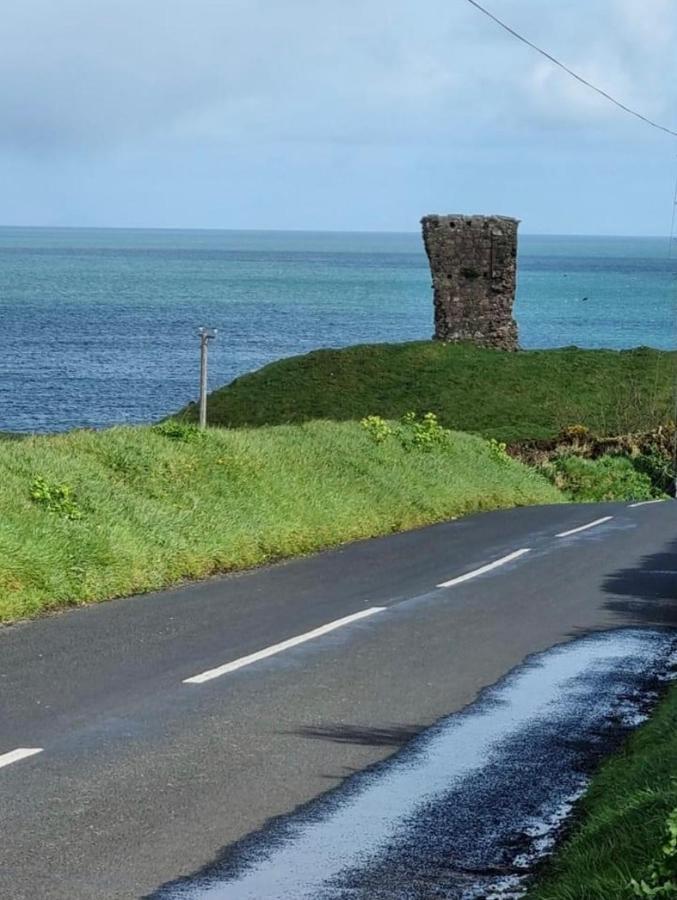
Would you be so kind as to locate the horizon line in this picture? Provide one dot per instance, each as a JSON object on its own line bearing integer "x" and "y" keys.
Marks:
{"x": 313, "y": 231}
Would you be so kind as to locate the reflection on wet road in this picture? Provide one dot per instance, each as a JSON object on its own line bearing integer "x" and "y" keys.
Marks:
{"x": 465, "y": 809}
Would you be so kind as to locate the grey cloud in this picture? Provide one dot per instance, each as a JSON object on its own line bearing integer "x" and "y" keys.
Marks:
{"x": 93, "y": 75}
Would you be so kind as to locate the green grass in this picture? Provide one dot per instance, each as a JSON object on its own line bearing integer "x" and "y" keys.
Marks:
{"x": 622, "y": 819}
{"x": 91, "y": 515}
{"x": 602, "y": 479}
{"x": 12, "y": 436}
{"x": 509, "y": 396}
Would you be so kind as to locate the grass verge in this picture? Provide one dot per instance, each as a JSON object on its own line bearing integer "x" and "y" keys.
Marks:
{"x": 623, "y": 820}
{"x": 92, "y": 515}
{"x": 509, "y": 396}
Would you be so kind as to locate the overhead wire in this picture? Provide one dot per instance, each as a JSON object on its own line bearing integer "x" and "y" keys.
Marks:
{"x": 673, "y": 238}
{"x": 565, "y": 68}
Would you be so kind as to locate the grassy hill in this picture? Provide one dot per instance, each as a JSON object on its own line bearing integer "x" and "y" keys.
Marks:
{"x": 509, "y": 396}
{"x": 90, "y": 515}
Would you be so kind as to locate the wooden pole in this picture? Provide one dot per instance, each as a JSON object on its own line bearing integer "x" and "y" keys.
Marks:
{"x": 206, "y": 335}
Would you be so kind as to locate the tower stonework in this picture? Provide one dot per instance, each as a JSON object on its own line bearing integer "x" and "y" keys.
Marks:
{"x": 473, "y": 260}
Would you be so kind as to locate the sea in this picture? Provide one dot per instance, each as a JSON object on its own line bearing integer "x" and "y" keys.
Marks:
{"x": 99, "y": 326}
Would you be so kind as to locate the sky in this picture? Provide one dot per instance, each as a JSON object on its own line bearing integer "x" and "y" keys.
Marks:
{"x": 335, "y": 114}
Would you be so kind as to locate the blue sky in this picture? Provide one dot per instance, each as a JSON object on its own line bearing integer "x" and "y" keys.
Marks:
{"x": 334, "y": 114}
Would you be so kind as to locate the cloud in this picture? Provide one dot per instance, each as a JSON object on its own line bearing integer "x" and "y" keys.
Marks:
{"x": 95, "y": 75}
{"x": 623, "y": 47}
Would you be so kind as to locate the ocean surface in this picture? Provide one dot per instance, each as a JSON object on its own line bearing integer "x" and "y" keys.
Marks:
{"x": 99, "y": 326}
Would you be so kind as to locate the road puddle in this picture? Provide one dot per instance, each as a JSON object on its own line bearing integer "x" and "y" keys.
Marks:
{"x": 467, "y": 808}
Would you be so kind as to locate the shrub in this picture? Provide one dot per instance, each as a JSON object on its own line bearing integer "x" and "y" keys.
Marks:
{"x": 576, "y": 433}
{"x": 421, "y": 434}
{"x": 498, "y": 451}
{"x": 377, "y": 428}
{"x": 658, "y": 466}
{"x": 411, "y": 432}
{"x": 55, "y": 498}
{"x": 597, "y": 480}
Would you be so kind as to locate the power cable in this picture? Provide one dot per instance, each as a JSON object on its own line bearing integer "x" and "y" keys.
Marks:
{"x": 571, "y": 72}
{"x": 671, "y": 247}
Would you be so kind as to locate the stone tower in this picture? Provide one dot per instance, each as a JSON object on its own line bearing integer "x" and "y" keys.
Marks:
{"x": 473, "y": 260}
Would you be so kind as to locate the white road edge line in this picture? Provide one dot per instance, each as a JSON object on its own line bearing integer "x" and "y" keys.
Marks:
{"x": 584, "y": 527}
{"x": 283, "y": 645}
{"x": 15, "y": 755}
{"x": 483, "y": 569}
{"x": 645, "y": 503}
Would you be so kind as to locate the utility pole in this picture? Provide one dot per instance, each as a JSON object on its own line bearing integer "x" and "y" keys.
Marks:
{"x": 206, "y": 335}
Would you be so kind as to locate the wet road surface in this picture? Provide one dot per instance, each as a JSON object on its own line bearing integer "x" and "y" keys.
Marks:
{"x": 468, "y": 807}
{"x": 176, "y": 735}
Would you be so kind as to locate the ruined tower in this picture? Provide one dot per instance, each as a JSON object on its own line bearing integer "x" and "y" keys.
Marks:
{"x": 473, "y": 260}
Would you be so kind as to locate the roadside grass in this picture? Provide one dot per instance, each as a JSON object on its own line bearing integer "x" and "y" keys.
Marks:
{"x": 509, "y": 396}
{"x": 88, "y": 515}
{"x": 622, "y": 820}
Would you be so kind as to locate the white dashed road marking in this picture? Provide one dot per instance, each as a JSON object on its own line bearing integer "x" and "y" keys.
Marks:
{"x": 20, "y": 753}
{"x": 483, "y": 569}
{"x": 15, "y": 755}
{"x": 584, "y": 527}
{"x": 283, "y": 645}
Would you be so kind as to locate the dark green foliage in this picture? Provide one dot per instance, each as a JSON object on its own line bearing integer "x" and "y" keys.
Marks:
{"x": 509, "y": 396}
{"x": 658, "y": 466}
{"x": 176, "y": 430}
{"x": 599, "y": 480}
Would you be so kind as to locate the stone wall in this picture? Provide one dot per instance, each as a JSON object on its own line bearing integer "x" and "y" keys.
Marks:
{"x": 473, "y": 260}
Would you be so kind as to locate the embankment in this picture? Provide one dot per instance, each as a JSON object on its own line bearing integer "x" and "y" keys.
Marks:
{"x": 92, "y": 515}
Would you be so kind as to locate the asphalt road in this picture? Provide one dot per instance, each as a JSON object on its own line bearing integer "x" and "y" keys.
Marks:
{"x": 144, "y": 776}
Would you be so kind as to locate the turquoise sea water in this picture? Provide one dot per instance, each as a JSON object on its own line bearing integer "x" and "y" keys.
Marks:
{"x": 98, "y": 326}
